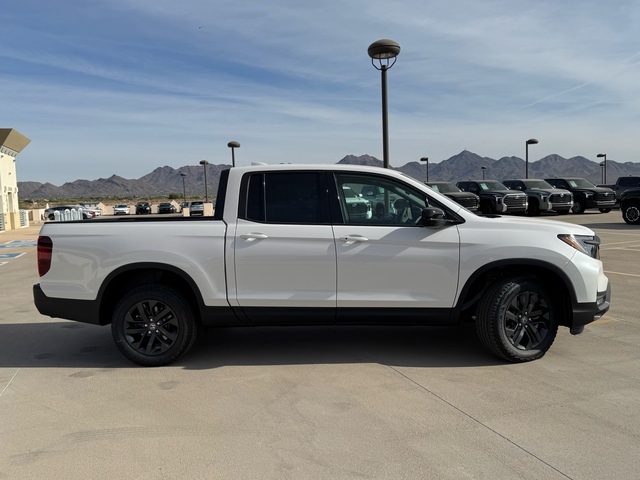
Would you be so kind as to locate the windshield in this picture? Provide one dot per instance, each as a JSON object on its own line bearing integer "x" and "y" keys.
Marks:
{"x": 537, "y": 184}
{"x": 580, "y": 183}
{"x": 444, "y": 187}
{"x": 491, "y": 186}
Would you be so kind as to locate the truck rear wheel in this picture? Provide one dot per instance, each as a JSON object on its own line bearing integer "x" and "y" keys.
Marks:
{"x": 153, "y": 325}
{"x": 517, "y": 319}
{"x": 631, "y": 213}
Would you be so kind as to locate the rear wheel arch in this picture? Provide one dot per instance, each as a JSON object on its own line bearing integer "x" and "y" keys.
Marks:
{"x": 123, "y": 280}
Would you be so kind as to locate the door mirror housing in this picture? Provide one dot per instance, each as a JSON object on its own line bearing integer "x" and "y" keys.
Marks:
{"x": 432, "y": 217}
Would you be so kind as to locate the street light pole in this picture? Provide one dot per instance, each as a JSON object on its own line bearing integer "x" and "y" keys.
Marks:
{"x": 602, "y": 173}
{"x": 385, "y": 51}
{"x": 601, "y": 155}
{"x": 483, "y": 169}
{"x": 531, "y": 141}
{"x": 426, "y": 159}
{"x": 184, "y": 189}
{"x": 204, "y": 164}
{"x": 233, "y": 145}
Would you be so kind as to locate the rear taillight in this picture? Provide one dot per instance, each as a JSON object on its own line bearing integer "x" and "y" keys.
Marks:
{"x": 45, "y": 249}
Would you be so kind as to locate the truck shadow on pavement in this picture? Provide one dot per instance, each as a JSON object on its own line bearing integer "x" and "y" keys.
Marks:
{"x": 69, "y": 344}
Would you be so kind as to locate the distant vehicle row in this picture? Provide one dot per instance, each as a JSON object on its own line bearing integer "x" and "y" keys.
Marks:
{"x": 532, "y": 196}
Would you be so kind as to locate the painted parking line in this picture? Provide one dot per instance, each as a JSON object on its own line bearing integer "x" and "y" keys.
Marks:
{"x": 20, "y": 244}
{"x": 5, "y": 256}
{"x": 3, "y": 263}
{"x": 620, "y": 273}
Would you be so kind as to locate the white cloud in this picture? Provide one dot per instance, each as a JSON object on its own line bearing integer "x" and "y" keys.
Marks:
{"x": 125, "y": 86}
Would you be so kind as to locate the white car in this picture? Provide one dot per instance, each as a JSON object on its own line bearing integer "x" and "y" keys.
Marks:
{"x": 121, "y": 209}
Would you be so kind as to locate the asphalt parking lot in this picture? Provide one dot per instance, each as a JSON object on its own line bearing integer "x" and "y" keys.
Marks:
{"x": 320, "y": 403}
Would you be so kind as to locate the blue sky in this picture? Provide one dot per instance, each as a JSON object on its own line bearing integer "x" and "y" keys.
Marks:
{"x": 121, "y": 87}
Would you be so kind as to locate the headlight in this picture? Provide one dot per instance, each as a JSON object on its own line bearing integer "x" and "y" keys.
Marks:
{"x": 587, "y": 244}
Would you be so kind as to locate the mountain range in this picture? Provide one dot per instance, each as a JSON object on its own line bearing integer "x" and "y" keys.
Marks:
{"x": 466, "y": 165}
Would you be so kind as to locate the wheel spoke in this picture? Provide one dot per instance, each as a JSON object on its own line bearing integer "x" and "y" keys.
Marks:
{"x": 534, "y": 334}
{"x": 151, "y": 327}
{"x": 517, "y": 335}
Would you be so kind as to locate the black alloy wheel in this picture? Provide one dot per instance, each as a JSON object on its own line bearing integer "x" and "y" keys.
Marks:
{"x": 153, "y": 325}
{"x": 517, "y": 319}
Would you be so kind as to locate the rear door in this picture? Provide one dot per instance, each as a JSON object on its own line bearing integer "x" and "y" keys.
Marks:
{"x": 284, "y": 249}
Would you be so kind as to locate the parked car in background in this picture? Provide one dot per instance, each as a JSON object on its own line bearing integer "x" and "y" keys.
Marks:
{"x": 143, "y": 208}
{"x": 196, "y": 208}
{"x": 183, "y": 205}
{"x": 166, "y": 207}
{"x": 121, "y": 209}
{"x": 586, "y": 194}
{"x": 495, "y": 197}
{"x": 469, "y": 200}
{"x": 543, "y": 197}
{"x": 95, "y": 212}
{"x": 50, "y": 213}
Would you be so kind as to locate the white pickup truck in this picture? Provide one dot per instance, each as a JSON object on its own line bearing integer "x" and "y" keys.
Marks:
{"x": 284, "y": 249}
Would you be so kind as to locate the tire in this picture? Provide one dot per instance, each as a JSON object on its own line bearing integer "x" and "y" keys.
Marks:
{"x": 604, "y": 210}
{"x": 486, "y": 208}
{"x": 534, "y": 208}
{"x": 631, "y": 213}
{"x": 517, "y": 319}
{"x": 578, "y": 206}
{"x": 153, "y": 325}
{"x": 52, "y": 216}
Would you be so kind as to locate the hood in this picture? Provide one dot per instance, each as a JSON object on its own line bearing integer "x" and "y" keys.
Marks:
{"x": 532, "y": 223}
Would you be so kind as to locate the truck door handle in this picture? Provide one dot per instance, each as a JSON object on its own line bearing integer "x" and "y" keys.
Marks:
{"x": 253, "y": 236}
{"x": 354, "y": 238}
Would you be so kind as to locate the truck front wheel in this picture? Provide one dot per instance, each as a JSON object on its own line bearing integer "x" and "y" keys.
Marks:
{"x": 152, "y": 325}
{"x": 517, "y": 319}
{"x": 579, "y": 206}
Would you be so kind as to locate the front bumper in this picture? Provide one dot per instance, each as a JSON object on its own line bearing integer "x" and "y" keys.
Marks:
{"x": 585, "y": 313}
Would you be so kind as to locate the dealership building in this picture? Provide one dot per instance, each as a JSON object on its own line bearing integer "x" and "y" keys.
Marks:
{"x": 12, "y": 143}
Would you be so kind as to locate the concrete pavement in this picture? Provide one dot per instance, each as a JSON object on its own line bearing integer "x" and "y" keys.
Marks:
{"x": 319, "y": 403}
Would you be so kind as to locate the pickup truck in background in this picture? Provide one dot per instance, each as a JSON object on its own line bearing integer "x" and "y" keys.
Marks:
{"x": 468, "y": 200}
{"x": 495, "y": 197}
{"x": 543, "y": 197}
{"x": 623, "y": 184}
{"x": 585, "y": 194}
{"x": 286, "y": 247}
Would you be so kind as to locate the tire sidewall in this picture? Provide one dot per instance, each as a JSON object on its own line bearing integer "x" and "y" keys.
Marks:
{"x": 492, "y": 318}
{"x": 625, "y": 211}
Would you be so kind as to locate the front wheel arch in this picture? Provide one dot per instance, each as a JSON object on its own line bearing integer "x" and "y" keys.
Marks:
{"x": 480, "y": 282}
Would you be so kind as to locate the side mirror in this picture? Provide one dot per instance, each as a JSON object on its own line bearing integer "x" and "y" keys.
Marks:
{"x": 432, "y": 217}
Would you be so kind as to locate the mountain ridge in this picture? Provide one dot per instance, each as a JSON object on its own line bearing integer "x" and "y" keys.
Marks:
{"x": 466, "y": 165}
